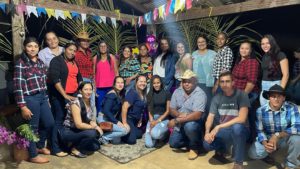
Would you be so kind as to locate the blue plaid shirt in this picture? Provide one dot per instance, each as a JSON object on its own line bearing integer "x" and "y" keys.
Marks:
{"x": 269, "y": 122}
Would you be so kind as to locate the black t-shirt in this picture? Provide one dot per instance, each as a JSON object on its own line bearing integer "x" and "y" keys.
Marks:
{"x": 271, "y": 71}
{"x": 159, "y": 101}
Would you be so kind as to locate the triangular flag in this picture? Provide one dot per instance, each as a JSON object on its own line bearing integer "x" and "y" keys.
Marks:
{"x": 83, "y": 18}
{"x": 172, "y": 6}
{"x": 103, "y": 19}
{"x": 50, "y": 12}
{"x": 96, "y": 18}
{"x": 118, "y": 13}
{"x": 161, "y": 11}
{"x": 2, "y": 6}
{"x": 188, "y": 4}
{"x": 31, "y": 10}
{"x": 155, "y": 14}
{"x": 133, "y": 21}
{"x": 167, "y": 9}
{"x": 41, "y": 10}
{"x": 124, "y": 22}
{"x": 114, "y": 22}
{"x": 67, "y": 14}
{"x": 179, "y": 5}
{"x": 141, "y": 20}
{"x": 59, "y": 14}
{"x": 20, "y": 9}
{"x": 74, "y": 14}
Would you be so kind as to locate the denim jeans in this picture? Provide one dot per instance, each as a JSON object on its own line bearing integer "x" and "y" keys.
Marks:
{"x": 135, "y": 132}
{"x": 41, "y": 122}
{"x": 82, "y": 140}
{"x": 189, "y": 135}
{"x": 266, "y": 85}
{"x": 156, "y": 133}
{"x": 235, "y": 135}
{"x": 257, "y": 150}
{"x": 101, "y": 92}
{"x": 93, "y": 102}
{"x": 116, "y": 133}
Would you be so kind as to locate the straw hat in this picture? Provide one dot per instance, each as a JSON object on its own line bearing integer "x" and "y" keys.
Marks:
{"x": 274, "y": 89}
{"x": 188, "y": 74}
{"x": 83, "y": 35}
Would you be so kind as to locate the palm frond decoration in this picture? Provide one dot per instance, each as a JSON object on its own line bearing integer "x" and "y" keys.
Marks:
{"x": 5, "y": 45}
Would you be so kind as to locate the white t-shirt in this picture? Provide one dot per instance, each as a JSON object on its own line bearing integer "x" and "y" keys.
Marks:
{"x": 157, "y": 68}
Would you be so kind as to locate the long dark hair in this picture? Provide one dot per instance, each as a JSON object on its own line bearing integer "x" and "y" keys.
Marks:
{"x": 151, "y": 91}
{"x": 251, "y": 55}
{"x": 274, "y": 67}
{"x": 121, "y": 93}
{"x": 122, "y": 59}
{"x": 99, "y": 54}
{"x": 136, "y": 80}
{"x": 29, "y": 40}
{"x": 139, "y": 56}
{"x": 169, "y": 52}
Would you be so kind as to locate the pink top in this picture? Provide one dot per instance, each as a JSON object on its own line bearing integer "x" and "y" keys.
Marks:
{"x": 105, "y": 73}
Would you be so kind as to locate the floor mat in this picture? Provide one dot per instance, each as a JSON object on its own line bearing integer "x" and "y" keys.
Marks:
{"x": 124, "y": 153}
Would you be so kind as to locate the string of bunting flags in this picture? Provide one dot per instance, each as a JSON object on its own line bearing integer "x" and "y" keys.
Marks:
{"x": 59, "y": 14}
{"x": 172, "y": 7}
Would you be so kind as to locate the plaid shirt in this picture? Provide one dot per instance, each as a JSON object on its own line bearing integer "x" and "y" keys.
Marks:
{"x": 29, "y": 78}
{"x": 222, "y": 61}
{"x": 269, "y": 122}
{"x": 85, "y": 63}
{"x": 245, "y": 71}
{"x": 129, "y": 68}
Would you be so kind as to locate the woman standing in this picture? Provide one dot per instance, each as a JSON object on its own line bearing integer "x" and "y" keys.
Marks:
{"x": 146, "y": 63}
{"x": 203, "y": 59}
{"x": 53, "y": 49}
{"x": 132, "y": 110}
{"x": 79, "y": 129}
{"x": 184, "y": 62}
{"x": 158, "y": 101}
{"x": 105, "y": 71}
{"x": 31, "y": 96}
{"x": 65, "y": 78}
{"x": 274, "y": 65}
{"x": 111, "y": 111}
{"x": 129, "y": 67}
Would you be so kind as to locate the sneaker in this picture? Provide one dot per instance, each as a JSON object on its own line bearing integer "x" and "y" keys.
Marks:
{"x": 221, "y": 158}
{"x": 238, "y": 166}
{"x": 104, "y": 142}
{"x": 193, "y": 154}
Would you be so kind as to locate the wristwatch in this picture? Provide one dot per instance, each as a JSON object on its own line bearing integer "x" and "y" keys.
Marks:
{"x": 277, "y": 134}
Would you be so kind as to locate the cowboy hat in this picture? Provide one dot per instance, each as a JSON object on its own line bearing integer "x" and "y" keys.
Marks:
{"x": 83, "y": 35}
{"x": 274, "y": 89}
{"x": 188, "y": 74}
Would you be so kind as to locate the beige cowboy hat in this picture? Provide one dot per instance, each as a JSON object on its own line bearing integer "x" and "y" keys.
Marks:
{"x": 188, "y": 74}
{"x": 83, "y": 35}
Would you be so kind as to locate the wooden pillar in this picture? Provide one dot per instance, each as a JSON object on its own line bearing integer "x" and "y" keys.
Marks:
{"x": 18, "y": 33}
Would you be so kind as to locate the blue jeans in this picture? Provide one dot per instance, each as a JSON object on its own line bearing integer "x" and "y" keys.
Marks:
{"x": 135, "y": 132}
{"x": 82, "y": 140}
{"x": 266, "y": 85}
{"x": 116, "y": 133}
{"x": 257, "y": 150}
{"x": 156, "y": 133}
{"x": 189, "y": 135}
{"x": 235, "y": 135}
{"x": 93, "y": 102}
{"x": 101, "y": 92}
{"x": 41, "y": 122}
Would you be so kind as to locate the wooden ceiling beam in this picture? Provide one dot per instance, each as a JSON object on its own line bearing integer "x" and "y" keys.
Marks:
{"x": 251, "y": 5}
{"x": 136, "y": 5}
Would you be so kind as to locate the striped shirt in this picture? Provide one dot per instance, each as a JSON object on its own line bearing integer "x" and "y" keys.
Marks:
{"x": 129, "y": 68}
{"x": 269, "y": 122}
{"x": 29, "y": 78}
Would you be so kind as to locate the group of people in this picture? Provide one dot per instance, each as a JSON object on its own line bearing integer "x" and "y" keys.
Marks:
{"x": 213, "y": 106}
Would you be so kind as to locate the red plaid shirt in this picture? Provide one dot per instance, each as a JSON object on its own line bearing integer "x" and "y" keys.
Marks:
{"x": 29, "y": 78}
{"x": 85, "y": 63}
{"x": 246, "y": 71}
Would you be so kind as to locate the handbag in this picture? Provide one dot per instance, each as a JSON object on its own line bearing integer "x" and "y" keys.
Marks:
{"x": 106, "y": 126}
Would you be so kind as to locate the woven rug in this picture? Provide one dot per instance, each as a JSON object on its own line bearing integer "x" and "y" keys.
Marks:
{"x": 124, "y": 153}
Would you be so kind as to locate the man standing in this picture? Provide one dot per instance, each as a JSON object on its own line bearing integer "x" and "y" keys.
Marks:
{"x": 232, "y": 107}
{"x": 278, "y": 125}
{"x": 187, "y": 107}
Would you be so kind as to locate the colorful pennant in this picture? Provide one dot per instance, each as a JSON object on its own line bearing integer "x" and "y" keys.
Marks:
{"x": 2, "y": 6}
{"x": 31, "y": 10}
{"x": 50, "y": 12}
{"x": 41, "y": 11}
